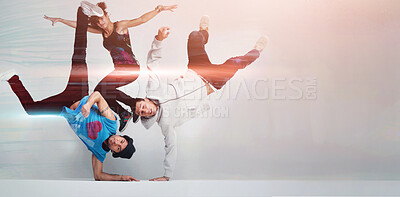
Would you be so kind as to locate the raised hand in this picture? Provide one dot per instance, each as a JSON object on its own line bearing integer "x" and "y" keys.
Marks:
{"x": 53, "y": 20}
{"x": 168, "y": 7}
{"x": 163, "y": 33}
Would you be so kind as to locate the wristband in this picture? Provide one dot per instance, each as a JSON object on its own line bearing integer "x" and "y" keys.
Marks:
{"x": 158, "y": 8}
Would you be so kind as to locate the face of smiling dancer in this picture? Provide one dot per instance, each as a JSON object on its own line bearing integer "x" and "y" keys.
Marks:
{"x": 145, "y": 108}
{"x": 116, "y": 143}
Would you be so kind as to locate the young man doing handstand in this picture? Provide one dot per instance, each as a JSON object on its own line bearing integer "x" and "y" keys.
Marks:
{"x": 172, "y": 101}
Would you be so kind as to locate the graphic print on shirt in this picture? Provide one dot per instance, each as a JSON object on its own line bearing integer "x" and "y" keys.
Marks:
{"x": 119, "y": 46}
{"x": 120, "y": 56}
{"x": 93, "y": 128}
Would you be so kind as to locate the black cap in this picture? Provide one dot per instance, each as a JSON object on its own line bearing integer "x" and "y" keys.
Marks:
{"x": 128, "y": 151}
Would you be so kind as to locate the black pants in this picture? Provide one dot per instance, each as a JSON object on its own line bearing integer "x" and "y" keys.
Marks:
{"x": 77, "y": 86}
{"x": 216, "y": 75}
{"x": 121, "y": 76}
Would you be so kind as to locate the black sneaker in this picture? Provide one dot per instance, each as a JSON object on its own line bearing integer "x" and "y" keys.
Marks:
{"x": 124, "y": 118}
{"x": 135, "y": 118}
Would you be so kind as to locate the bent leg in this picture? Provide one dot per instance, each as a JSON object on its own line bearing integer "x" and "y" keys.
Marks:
{"x": 23, "y": 95}
{"x": 196, "y": 47}
{"x": 218, "y": 75}
{"x": 77, "y": 84}
{"x": 51, "y": 105}
{"x": 121, "y": 76}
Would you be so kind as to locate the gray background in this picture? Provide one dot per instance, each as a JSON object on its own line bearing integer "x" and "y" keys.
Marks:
{"x": 350, "y": 131}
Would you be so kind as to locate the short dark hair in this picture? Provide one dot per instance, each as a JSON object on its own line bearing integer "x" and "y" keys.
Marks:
{"x": 135, "y": 100}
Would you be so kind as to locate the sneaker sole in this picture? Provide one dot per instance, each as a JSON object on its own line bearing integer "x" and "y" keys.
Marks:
{"x": 261, "y": 43}
{"x": 93, "y": 10}
{"x": 204, "y": 22}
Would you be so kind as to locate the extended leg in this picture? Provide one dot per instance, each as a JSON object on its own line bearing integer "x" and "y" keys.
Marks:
{"x": 121, "y": 76}
{"x": 77, "y": 85}
{"x": 196, "y": 48}
{"x": 220, "y": 74}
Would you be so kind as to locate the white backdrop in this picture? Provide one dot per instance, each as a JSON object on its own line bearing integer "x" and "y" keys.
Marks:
{"x": 350, "y": 130}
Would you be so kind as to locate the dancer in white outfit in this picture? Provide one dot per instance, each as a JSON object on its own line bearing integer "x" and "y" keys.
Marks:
{"x": 172, "y": 101}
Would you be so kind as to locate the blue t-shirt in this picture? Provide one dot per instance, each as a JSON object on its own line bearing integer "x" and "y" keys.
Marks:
{"x": 93, "y": 130}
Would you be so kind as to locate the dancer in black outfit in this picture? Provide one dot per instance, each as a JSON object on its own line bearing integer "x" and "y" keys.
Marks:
{"x": 117, "y": 41}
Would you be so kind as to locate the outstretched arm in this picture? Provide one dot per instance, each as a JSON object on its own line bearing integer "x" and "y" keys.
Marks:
{"x": 70, "y": 24}
{"x": 102, "y": 104}
{"x": 155, "y": 54}
{"x": 145, "y": 17}
{"x": 170, "y": 152}
{"x": 99, "y": 175}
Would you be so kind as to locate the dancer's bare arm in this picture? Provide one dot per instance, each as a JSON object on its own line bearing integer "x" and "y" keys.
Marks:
{"x": 102, "y": 104}
{"x": 75, "y": 105}
{"x": 70, "y": 23}
{"x": 99, "y": 175}
{"x": 125, "y": 24}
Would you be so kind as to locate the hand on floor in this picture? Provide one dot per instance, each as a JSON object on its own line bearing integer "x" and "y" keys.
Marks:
{"x": 160, "y": 179}
{"x": 128, "y": 178}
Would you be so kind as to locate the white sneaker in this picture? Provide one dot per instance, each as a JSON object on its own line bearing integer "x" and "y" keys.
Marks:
{"x": 90, "y": 9}
{"x": 261, "y": 43}
{"x": 5, "y": 76}
{"x": 204, "y": 22}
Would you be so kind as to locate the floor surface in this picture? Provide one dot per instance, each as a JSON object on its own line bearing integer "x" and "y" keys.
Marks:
{"x": 198, "y": 188}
